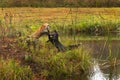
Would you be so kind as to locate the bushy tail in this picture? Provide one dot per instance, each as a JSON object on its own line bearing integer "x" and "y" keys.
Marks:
{"x": 73, "y": 46}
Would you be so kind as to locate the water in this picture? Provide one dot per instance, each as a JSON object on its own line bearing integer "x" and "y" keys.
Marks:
{"x": 97, "y": 74}
{"x": 101, "y": 49}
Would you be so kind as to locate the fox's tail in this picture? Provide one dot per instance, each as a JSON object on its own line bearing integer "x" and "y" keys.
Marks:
{"x": 73, "y": 46}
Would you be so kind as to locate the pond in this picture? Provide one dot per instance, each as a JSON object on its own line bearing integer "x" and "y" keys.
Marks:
{"x": 101, "y": 50}
{"x": 106, "y": 53}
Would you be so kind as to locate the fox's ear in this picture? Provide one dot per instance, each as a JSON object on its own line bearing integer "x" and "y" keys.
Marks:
{"x": 45, "y": 24}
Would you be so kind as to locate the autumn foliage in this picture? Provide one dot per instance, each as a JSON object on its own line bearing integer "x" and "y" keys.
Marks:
{"x": 59, "y": 3}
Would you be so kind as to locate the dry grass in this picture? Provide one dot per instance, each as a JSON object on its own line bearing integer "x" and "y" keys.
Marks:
{"x": 48, "y": 14}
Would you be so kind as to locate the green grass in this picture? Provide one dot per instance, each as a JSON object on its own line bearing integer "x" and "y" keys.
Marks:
{"x": 63, "y": 65}
{"x": 12, "y": 70}
{"x": 59, "y": 65}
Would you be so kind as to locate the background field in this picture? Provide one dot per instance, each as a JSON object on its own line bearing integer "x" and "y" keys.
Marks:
{"x": 62, "y": 14}
{"x": 69, "y": 20}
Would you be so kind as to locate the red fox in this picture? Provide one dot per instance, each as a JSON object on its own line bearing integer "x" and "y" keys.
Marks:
{"x": 32, "y": 39}
{"x": 44, "y": 29}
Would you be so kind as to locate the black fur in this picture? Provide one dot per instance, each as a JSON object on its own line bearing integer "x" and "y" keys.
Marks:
{"x": 54, "y": 39}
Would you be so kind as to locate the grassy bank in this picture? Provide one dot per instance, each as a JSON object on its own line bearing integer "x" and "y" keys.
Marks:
{"x": 12, "y": 70}
{"x": 18, "y": 61}
{"x": 58, "y": 65}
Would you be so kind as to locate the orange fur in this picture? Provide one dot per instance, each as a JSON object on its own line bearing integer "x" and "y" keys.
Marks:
{"x": 41, "y": 29}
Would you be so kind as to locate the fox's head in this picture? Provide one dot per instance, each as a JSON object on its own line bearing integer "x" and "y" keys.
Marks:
{"x": 45, "y": 28}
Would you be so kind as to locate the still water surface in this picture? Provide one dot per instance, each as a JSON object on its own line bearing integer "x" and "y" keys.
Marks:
{"x": 101, "y": 48}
